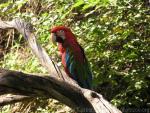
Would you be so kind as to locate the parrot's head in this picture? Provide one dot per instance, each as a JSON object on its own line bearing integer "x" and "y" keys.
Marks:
{"x": 60, "y": 34}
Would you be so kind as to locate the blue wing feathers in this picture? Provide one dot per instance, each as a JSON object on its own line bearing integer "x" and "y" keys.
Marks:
{"x": 80, "y": 72}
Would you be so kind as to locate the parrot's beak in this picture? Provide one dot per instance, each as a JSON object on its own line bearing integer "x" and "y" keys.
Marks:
{"x": 53, "y": 36}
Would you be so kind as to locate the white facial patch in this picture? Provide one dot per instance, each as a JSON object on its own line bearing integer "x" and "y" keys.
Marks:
{"x": 61, "y": 34}
{"x": 53, "y": 37}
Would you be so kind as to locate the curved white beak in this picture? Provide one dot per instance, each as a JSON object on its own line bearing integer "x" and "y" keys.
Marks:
{"x": 53, "y": 36}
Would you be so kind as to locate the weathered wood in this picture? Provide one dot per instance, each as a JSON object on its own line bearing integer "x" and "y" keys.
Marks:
{"x": 57, "y": 86}
{"x": 10, "y": 99}
{"x": 81, "y": 100}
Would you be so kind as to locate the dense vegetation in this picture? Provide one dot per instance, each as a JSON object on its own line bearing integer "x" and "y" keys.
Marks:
{"x": 114, "y": 34}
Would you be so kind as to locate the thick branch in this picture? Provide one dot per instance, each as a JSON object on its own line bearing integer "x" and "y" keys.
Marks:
{"x": 81, "y": 100}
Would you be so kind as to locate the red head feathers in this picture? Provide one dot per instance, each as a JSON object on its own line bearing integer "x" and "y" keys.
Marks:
{"x": 58, "y": 28}
{"x": 65, "y": 39}
{"x": 67, "y": 35}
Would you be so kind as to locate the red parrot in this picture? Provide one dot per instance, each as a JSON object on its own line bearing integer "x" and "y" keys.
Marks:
{"x": 72, "y": 55}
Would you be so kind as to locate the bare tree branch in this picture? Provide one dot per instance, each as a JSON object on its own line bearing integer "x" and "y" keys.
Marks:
{"x": 10, "y": 99}
{"x": 81, "y": 100}
{"x": 57, "y": 86}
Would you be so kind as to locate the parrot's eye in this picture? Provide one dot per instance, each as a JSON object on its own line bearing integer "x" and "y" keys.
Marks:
{"x": 62, "y": 31}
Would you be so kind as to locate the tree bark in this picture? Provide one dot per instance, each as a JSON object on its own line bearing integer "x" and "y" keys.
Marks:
{"x": 80, "y": 99}
{"x": 57, "y": 86}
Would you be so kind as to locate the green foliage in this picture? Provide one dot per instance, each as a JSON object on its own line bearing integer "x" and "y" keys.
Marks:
{"x": 114, "y": 34}
{"x": 22, "y": 60}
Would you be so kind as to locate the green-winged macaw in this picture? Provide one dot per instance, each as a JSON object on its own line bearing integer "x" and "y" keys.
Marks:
{"x": 72, "y": 55}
